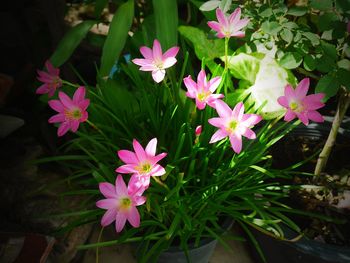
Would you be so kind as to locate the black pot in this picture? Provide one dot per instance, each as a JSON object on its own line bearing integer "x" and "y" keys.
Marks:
{"x": 305, "y": 250}
{"x": 301, "y": 251}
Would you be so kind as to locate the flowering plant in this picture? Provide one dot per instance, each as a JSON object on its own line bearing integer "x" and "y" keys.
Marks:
{"x": 172, "y": 156}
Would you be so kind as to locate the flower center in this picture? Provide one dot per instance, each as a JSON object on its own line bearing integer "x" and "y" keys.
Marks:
{"x": 159, "y": 64}
{"x": 74, "y": 114}
{"x": 296, "y": 107}
{"x": 203, "y": 95}
{"x": 125, "y": 203}
{"x": 231, "y": 127}
{"x": 144, "y": 168}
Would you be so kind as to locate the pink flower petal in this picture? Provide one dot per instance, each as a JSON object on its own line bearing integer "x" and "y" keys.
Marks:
{"x": 151, "y": 147}
{"x": 84, "y": 104}
{"x": 107, "y": 204}
{"x": 57, "y": 118}
{"x": 63, "y": 129}
{"x": 201, "y": 79}
{"x": 290, "y": 115}
{"x": 283, "y": 101}
{"x": 221, "y": 17}
{"x": 120, "y": 221}
{"x": 217, "y": 122}
{"x": 139, "y": 200}
{"x": 79, "y": 94}
{"x": 158, "y": 75}
{"x": 169, "y": 62}
{"x": 171, "y": 52}
{"x": 236, "y": 142}
{"x": 191, "y": 87}
{"x": 314, "y": 101}
{"x": 51, "y": 69}
{"x": 74, "y": 124}
{"x": 235, "y": 16}
{"x": 302, "y": 88}
{"x": 238, "y": 111}
{"x": 157, "y": 50}
{"x": 125, "y": 169}
{"x": 108, "y": 217}
{"x": 223, "y": 109}
{"x": 217, "y": 136}
{"x": 146, "y": 53}
{"x": 120, "y": 186}
{"x": 214, "y": 83}
{"x": 241, "y": 23}
{"x": 107, "y": 189}
{"x": 66, "y": 101}
{"x": 143, "y": 62}
{"x": 250, "y": 119}
{"x": 238, "y": 34}
{"x": 128, "y": 157}
{"x": 315, "y": 116}
{"x": 289, "y": 93}
{"x": 302, "y": 116}
{"x": 249, "y": 134}
{"x": 148, "y": 68}
{"x": 157, "y": 158}
{"x": 133, "y": 217}
{"x": 139, "y": 151}
{"x": 43, "y": 89}
{"x": 214, "y": 25}
{"x": 200, "y": 104}
{"x": 157, "y": 170}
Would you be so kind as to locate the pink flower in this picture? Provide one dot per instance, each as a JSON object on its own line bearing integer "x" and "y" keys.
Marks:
{"x": 120, "y": 204}
{"x": 155, "y": 61}
{"x": 299, "y": 105}
{"x": 233, "y": 123}
{"x": 50, "y": 79}
{"x": 228, "y": 26}
{"x": 142, "y": 163}
{"x": 70, "y": 112}
{"x": 202, "y": 91}
{"x": 198, "y": 130}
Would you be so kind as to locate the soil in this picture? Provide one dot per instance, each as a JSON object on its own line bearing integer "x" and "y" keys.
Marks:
{"x": 323, "y": 194}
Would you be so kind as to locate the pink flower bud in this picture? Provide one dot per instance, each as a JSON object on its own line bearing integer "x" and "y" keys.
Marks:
{"x": 198, "y": 130}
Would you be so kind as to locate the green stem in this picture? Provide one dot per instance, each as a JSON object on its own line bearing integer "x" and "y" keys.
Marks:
{"x": 343, "y": 105}
{"x": 98, "y": 241}
{"x": 70, "y": 84}
{"x": 170, "y": 92}
{"x": 226, "y": 52}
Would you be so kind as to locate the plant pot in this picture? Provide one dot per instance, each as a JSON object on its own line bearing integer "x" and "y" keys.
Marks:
{"x": 306, "y": 250}
{"x": 301, "y": 251}
{"x": 200, "y": 254}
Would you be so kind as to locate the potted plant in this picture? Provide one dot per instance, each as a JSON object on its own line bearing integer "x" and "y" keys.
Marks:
{"x": 312, "y": 40}
{"x": 168, "y": 157}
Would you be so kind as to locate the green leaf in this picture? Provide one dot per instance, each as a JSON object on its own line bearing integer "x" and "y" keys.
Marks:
{"x": 325, "y": 64}
{"x": 297, "y": 11}
{"x": 70, "y": 41}
{"x": 271, "y": 27}
{"x": 314, "y": 38}
{"x": 309, "y": 63}
{"x": 290, "y": 25}
{"x": 243, "y": 66}
{"x": 166, "y": 17}
{"x": 321, "y": 4}
{"x": 329, "y": 50}
{"x": 344, "y": 63}
{"x": 203, "y": 47}
{"x": 99, "y": 6}
{"x": 291, "y": 60}
{"x": 287, "y": 35}
{"x": 329, "y": 85}
{"x": 117, "y": 35}
{"x": 326, "y": 21}
{"x": 343, "y": 76}
{"x": 265, "y": 12}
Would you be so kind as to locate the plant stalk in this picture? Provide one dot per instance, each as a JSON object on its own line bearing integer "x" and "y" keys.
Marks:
{"x": 343, "y": 105}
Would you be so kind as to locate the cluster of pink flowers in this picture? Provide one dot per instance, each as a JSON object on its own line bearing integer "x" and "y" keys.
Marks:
{"x": 121, "y": 200}
{"x": 71, "y": 112}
